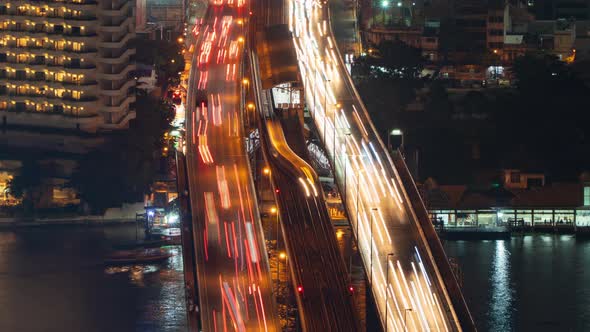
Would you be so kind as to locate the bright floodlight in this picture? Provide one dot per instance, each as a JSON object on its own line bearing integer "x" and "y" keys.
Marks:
{"x": 396, "y": 132}
{"x": 385, "y": 3}
{"x": 399, "y": 4}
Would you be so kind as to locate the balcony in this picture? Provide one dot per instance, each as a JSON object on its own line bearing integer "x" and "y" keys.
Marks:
{"x": 122, "y": 123}
{"x": 123, "y": 106}
{"x": 39, "y": 18}
{"x": 122, "y": 91}
{"x": 84, "y": 101}
{"x": 119, "y": 76}
{"x": 57, "y": 120}
{"x": 122, "y": 11}
{"x": 17, "y": 33}
{"x": 118, "y": 60}
{"x": 77, "y": 6}
{"x": 124, "y": 26}
{"x": 42, "y": 50}
{"x": 117, "y": 44}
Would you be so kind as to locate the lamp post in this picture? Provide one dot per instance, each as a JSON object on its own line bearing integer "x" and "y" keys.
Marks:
{"x": 282, "y": 255}
{"x": 405, "y": 325}
{"x": 384, "y": 5}
{"x": 371, "y": 244}
{"x": 397, "y": 133}
{"x": 386, "y": 286}
{"x": 274, "y": 211}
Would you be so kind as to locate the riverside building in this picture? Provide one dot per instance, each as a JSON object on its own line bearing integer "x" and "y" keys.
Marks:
{"x": 65, "y": 64}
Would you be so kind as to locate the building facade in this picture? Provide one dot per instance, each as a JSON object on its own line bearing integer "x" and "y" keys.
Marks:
{"x": 65, "y": 64}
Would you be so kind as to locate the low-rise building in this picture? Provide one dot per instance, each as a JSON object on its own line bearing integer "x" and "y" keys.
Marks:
{"x": 524, "y": 200}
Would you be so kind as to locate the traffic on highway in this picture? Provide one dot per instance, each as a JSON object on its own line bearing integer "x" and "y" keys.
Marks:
{"x": 234, "y": 285}
{"x": 408, "y": 289}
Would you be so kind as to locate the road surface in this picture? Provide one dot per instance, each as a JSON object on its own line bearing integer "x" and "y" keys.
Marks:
{"x": 405, "y": 281}
{"x": 235, "y": 289}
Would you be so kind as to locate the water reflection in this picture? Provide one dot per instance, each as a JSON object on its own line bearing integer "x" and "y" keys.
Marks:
{"x": 533, "y": 282}
{"x": 501, "y": 299}
{"x": 58, "y": 274}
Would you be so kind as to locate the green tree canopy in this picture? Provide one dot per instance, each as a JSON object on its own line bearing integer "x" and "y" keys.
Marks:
{"x": 123, "y": 169}
{"x": 165, "y": 55}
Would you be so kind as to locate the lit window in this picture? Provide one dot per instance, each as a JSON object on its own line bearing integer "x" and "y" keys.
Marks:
{"x": 586, "y": 196}
{"x": 515, "y": 177}
{"x": 76, "y": 94}
{"x": 22, "y": 58}
{"x": 77, "y": 46}
{"x": 59, "y": 45}
{"x": 59, "y": 92}
{"x": 59, "y": 77}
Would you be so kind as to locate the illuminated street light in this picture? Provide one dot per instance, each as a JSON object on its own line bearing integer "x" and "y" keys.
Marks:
{"x": 273, "y": 210}
{"x": 240, "y": 39}
{"x": 245, "y": 81}
{"x": 282, "y": 255}
{"x": 250, "y": 106}
{"x": 385, "y": 3}
{"x": 266, "y": 171}
{"x": 180, "y": 39}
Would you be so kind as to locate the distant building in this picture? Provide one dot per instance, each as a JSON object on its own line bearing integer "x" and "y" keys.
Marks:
{"x": 556, "y": 9}
{"x": 168, "y": 13}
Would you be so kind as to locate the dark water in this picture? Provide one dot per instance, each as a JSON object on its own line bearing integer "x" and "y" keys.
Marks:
{"x": 528, "y": 283}
{"x": 53, "y": 279}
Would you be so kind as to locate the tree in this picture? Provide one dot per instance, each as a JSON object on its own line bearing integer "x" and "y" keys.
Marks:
{"x": 25, "y": 185}
{"x": 437, "y": 101}
{"x": 165, "y": 55}
{"x": 395, "y": 59}
{"x": 123, "y": 169}
{"x": 545, "y": 120}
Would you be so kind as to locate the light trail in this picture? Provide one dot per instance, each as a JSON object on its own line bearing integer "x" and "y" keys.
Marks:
{"x": 375, "y": 183}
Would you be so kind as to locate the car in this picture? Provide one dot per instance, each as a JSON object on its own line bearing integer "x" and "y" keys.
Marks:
{"x": 176, "y": 97}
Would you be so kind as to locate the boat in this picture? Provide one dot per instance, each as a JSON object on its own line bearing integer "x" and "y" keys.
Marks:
{"x": 137, "y": 256}
{"x": 143, "y": 244}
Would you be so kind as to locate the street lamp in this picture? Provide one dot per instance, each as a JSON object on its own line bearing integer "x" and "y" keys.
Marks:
{"x": 282, "y": 255}
{"x": 405, "y": 325}
{"x": 398, "y": 136}
{"x": 273, "y": 210}
{"x": 371, "y": 244}
{"x": 384, "y": 5}
{"x": 386, "y": 287}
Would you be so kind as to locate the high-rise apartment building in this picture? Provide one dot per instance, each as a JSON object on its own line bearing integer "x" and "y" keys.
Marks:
{"x": 66, "y": 64}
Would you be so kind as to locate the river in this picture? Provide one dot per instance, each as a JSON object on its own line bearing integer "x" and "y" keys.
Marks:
{"x": 53, "y": 279}
{"x": 528, "y": 283}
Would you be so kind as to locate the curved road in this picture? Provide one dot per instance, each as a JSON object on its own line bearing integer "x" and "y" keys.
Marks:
{"x": 407, "y": 285}
{"x": 235, "y": 288}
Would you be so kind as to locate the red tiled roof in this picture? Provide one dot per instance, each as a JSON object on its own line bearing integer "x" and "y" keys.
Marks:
{"x": 555, "y": 195}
